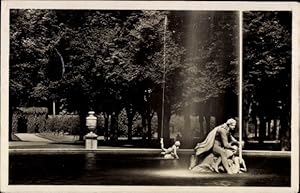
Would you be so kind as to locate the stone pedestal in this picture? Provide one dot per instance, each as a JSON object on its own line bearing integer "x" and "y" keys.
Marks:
{"x": 91, "y": 141}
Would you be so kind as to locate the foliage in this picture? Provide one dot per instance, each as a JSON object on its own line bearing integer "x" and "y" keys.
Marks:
{"x": 267, "y": 68}
{"x": 267, "y": 63}
{"x": 211, "y": 68}
{"x": 33, "y": 118}
{"x": 33, "y": 110}
{"x": 32, "y": 34}
{"x": 113, "y": 58}
{"x": 63, "y": 123}
{"x": 114, "y": 61}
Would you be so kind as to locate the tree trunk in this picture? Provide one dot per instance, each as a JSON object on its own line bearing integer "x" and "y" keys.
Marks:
{"x": 207, "y": 120}
{"x": 149, "y": 125}
{"x": 187, "y": 132}
{"x": 218, "y": 106}
{"x": 114, "y": 127}
{"x": 255, "y": 127}
{"x": 166, "y": 129}
{"x": 274, "y": 131}
{"x": 106, "y": 123}
{"x": 159, "y": 124}
{"x": 201, "y": 128}
{"x": 262, "y": 129}
{"x": 82, "y": 118}
{"x": 130, "y": 122}
{"x": 269, "y": 128}
{"x": 130, "y": 116}
{"x": 246, "y": 126}
{"x": 247, "y": 118}
{"x": 281, "y": 127}
{"x": 285, "y": 133}
{"x": 230, "y": 103}
{"x": 144, "y": 126}
{"x": 11, "y": 111}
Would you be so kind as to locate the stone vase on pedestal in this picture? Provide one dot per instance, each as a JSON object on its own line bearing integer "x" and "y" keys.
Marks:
{"x": 91, "y": 137}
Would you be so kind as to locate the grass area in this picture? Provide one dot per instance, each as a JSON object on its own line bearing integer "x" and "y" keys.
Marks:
{"x": 122, "y": 141}
{"x": 59, "y": 137}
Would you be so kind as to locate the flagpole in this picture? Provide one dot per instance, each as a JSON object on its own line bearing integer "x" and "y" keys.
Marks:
{"x": 164, "y": 79}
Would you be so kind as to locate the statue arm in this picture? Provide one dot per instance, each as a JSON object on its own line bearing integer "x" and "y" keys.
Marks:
{"x": 243, "y": 168}
{"x": 225, "y": 139}
{"x": 233, "y": 140}
{"x": 175, "y": 153}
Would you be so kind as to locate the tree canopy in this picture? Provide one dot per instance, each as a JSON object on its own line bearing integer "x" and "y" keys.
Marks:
{"x": 110, "y": 60}
{"x": 267, "y": 67}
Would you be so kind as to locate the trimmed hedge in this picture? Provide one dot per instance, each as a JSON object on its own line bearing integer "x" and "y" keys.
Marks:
{"x": 36, "y": 119}
{"x": 63, "y": 123}
{"x": 29, "y": 120}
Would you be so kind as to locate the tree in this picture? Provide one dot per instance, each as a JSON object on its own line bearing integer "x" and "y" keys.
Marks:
{"x": 115, "y": 60}
{"x": 160, "y": 62}
{"x": 267, "y": 68}
{"x": 210, "y": 68}
{"x": 33, "y": 33}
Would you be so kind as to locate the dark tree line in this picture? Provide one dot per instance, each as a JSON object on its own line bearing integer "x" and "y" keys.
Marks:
{"x": 267, "y": 73}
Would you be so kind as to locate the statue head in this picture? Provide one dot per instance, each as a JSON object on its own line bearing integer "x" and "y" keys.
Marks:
{"x": 177, "y": 143}
{"x": 236, "y": 150}
{"x": 231, "y": 123}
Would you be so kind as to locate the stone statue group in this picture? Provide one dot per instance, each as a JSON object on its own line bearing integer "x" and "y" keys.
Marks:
{"x": 219, "y": 152}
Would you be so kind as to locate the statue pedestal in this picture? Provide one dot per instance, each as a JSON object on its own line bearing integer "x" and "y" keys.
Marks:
{"x": 91, "y": 141}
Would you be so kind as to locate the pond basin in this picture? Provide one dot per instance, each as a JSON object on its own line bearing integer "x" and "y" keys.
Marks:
{"x": 113, "y": 168}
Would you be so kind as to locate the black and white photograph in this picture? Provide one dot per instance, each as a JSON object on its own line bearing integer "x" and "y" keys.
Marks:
{"x": 137, "y": 96}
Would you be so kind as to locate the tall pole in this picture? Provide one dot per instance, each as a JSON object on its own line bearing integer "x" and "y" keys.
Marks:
{"x": 62, "y": 74}
{"x": 164, "y": 80}
{"x": 240, "y": 81}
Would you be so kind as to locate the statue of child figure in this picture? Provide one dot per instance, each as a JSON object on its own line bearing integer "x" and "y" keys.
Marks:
{"x": 171, "y": 152}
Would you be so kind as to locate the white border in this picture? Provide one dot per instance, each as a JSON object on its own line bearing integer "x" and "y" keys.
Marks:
{"x": 146, "y": 5}
{"x": 4, "y": 94}
{"x": 295, "y": 129}
{"x": 151, "y": 5}
{"x": 240, "y": 80}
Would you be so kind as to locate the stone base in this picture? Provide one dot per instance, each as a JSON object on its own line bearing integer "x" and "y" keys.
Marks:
{"x": 91, "y": 141}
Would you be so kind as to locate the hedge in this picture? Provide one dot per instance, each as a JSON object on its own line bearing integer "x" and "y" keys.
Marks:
{"x": 32, "y": 119}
